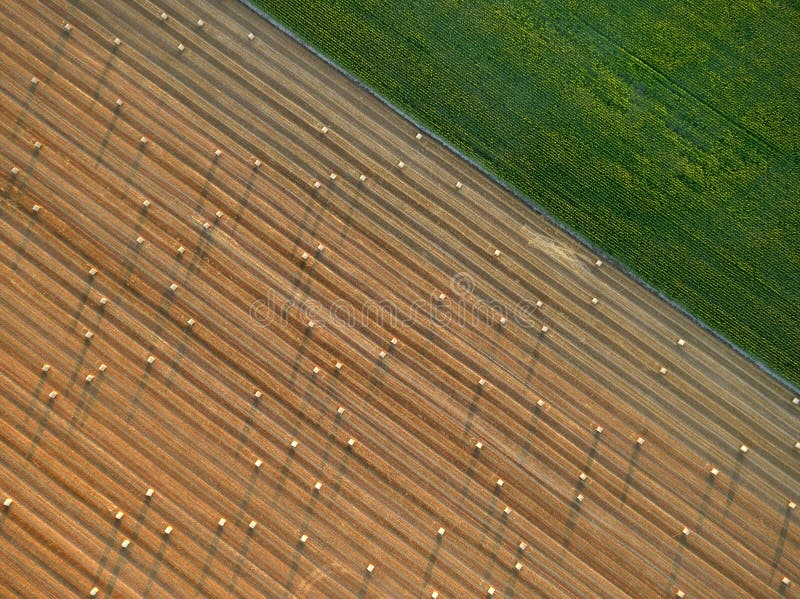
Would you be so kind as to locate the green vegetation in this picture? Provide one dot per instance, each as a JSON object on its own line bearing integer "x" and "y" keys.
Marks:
{"x": 666, "y": 133}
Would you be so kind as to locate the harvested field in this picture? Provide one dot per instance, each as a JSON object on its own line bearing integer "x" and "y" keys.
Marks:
{"x": 209, "y": 422}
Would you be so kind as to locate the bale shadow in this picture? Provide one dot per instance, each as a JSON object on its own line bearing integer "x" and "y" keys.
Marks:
{"x": 364, "y": 585}
{"x": 776, "y": 558}
{"x": 201, "y": 250}
{"x": 244, "y": 203}
{"x": 633, "y": 465}
{"x": 83, "y": 405}
{"x": 735, "y": 479}
{"x": 212, "y": 551}
{"x": 676, "y": 564}
{"x": 473, "y": 410}
{"x": 496, "y": 543}
{"x": 469, "y": 473}
{"x": 299, "y": 357}
{"x": 122, "y": 560}
{"x": 244, "y": 434}
{"x": 26, "y": 237}
{"x": 137, "y": 396}
{"x": 24, "y": 111}
{"x": 81, "y": 305}
{"x": 157, "y": 561}
{"x": 106, "y": 552}
{"x": 426, "y": 578}
{"x": 181, "y": 350}
{"x": 207, "y": 176}
{"x": 572, "y": 522}
{"x": 28, "y": 171}
{"x": 34, "y": 400}
{"x": 112, "y": 125}
{"x": 104, "y": 75}
{"x": 240, "y": 558}
{"x": 299, "y": 547}
{"x": 40, "y": 430}
{"x": 337, "y": 483}
{"x": 280, "y": 484}
{"x": 248, "y": 494}
{"x": 531, "y": 429}
{"x": 703, "y": 512}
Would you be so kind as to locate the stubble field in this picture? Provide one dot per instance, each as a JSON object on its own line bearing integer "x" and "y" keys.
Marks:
{"x": 239, "y": 385}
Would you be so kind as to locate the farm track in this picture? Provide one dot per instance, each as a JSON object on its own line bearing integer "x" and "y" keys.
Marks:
{"x": 190, "y": 426}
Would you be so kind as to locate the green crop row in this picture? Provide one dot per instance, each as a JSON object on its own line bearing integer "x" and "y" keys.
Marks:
{"x": 666, "y": 134}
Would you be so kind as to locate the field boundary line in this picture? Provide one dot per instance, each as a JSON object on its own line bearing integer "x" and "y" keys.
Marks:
{"x": 525, "y": 199}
